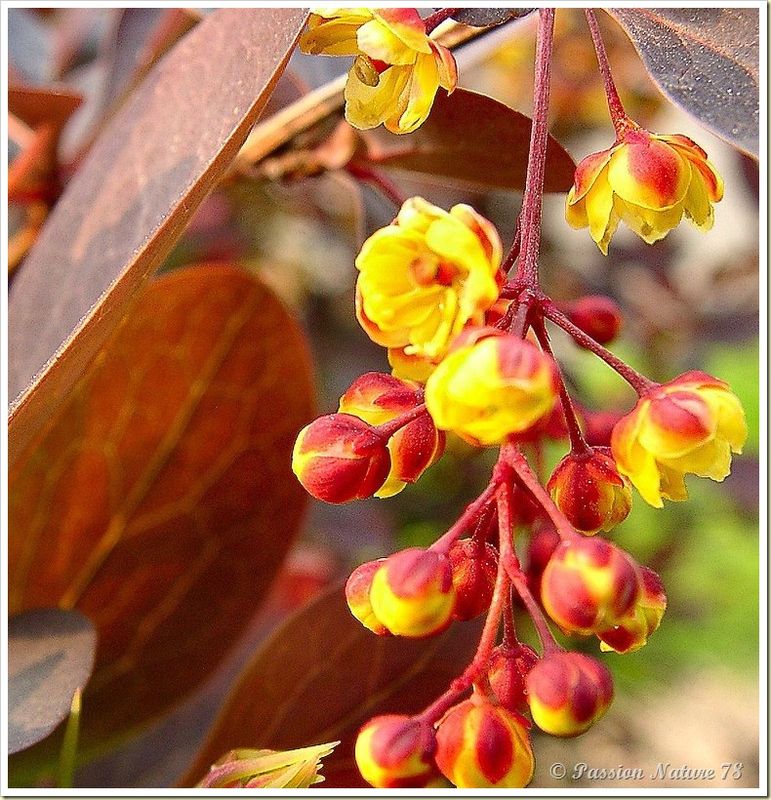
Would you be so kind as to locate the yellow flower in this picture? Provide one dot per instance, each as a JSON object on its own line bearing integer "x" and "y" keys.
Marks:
{"x": 492, "y": 387}
{"x": 423, "y": 278}
{"x": 649, "y": 182}
{"x": 689, "y": 425}
{"x": 397, "y": 68}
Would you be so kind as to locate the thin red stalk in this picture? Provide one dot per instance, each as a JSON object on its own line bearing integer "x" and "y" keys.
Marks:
{"x": 464, "y": 522}
{"x": 578, "y": 444}
{"x": 378, "y": 181}
{"x": 618, "y": 115}
{"x": 388, "y": 429}
{"x": 530, "y": 215}
{"x": 509, "y": 629}
{"x": 530, "y": 481}
{"x": 519, "y": 582}
{"x": 638, "y": 382}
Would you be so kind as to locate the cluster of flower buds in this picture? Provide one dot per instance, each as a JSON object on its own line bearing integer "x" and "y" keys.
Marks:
{"x": 471, "y": 357}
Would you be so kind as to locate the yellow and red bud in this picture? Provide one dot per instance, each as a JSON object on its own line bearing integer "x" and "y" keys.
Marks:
{"x": 508, "y": 670}
{"x": 412, "y": 593}
{"x": 568, "y": 692}
{"x": 589, "y": 491}
{"x": 357, "y": 589}
{"x": 496, "y": 386}
{"x": 633, "y": 630}
{"x": 589, "y": 585}
{"x": 474, "y": 569}
{"x": 484, "y": 746}
{"x": 691, "y": 424}
{"x": 339, "y": 458}
{"x": 396, "y": 752}
{"x": 598, "y": 316}
{"x": 378, "y": 398}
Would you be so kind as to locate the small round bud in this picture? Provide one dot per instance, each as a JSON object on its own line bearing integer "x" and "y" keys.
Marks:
{"x": 396, "y": 752}
{"x": 509, "y": 667}
{"x": 474, "y": 569}
{"x": 412, "y": 593}
{"x": 378, "y": 398}
{"x": 490, "y": 386}
{"x": 589, "y": 491}
{"x": 589, "y": 585}
{"x": 484, "y": 746}
{"x": 340, "y": 457}
{"x": 357, "y": 590}
{"x": 633, "y": 630}
{"x": 568, "y": 692}
{"x": 598, "y": 316}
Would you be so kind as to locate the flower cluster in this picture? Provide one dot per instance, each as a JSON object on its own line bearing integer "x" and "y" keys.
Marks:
{"x": 471, "y": 357}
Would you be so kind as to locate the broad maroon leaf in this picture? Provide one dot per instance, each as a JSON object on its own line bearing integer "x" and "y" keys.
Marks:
{"x": 119, "y": 217}
{"x": 471, "y": 138}
{"x": 161, "y": 502}
{"x": 706, "y": 61}
{"x": 50, "y": 656}
{"x": 482, "y": 17}
{"x": 321, "y": 676}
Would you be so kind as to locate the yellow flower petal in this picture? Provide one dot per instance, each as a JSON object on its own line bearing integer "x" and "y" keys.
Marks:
{"x": 599, "y": 207}
{"x": 370, "y": 106}
{"x": 421, "y": 90}
{"x": 379, "y": 42}
{"x": 407, "y": 26}
{"x": 697, "y": 205}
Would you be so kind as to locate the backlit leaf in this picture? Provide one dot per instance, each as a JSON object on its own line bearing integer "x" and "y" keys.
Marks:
{"x": 322, "y": 675}
{"x": 470, "y": 138}
{"x": 120, "y": 215}
{"x": 50, "y": 656}
{"x": 161, "y": 502}
{"x": 706, "y": 61}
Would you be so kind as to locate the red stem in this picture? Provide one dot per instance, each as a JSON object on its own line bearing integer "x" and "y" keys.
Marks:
{"x": 445, "y": 542}
{"x": 388, "y": 429}
{"x": 530, "y": 215}
{"x": 638, "y": 382}
{"x": 378, "y": 181}
{"x": 530, "y": 481}
{"x": 618, "y": 115}
{"x": 539, "y": 621}
{"x": 578, "y": 444}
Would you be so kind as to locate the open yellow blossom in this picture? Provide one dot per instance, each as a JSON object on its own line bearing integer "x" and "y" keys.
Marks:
{"x": 397, "y": 68}
{"x": 426, "y": 276}
{"x": 689, "y": 425}
{"x": 649, "y": 182}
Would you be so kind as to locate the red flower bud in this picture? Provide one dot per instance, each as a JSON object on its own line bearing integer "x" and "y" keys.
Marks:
{"x": 412, "y": 593}
{"x": 474, "y": 569}
{"x": 396, "y": 752}
{"x": 378, "y": 398}
{"x": 598, "y": 316}
{"x": 568, "y": 692}
{"x": 598, "y": 426}
{"x": 339, "y": 457}
{"x": 357, "y": 590}
{"x": 589, "y": 491}
{"x": 481, "y": 746}
{"x": 633, "y": 630}
{"x": 589, "y": 585}
{"x": 508, "y": 670}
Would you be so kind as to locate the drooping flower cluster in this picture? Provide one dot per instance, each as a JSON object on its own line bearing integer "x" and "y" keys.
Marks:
{"x": 471, "y": 357}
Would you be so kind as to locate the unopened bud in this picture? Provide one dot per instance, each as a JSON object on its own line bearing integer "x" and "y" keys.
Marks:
{"x": 396, "y": 752}
{"x": 509, "y": 667}
{"x": 633, "y": 630}
{"x": 357, "y": 589}
{"x": 589, "y": 491}
{"x": 568, "y": 692}
{"x": 598, "y": 316}
{"x": 412, "y": 593}
{"x": 484, "y": 746}
{"x": 474, "y": 569}
{"x": 340, "y": 457}
{"x": 589, "y": 585}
